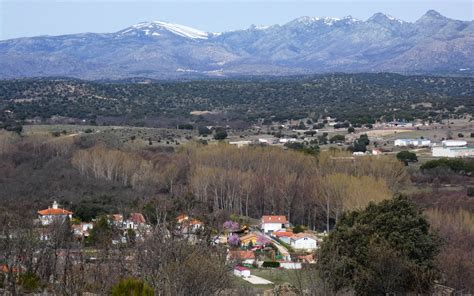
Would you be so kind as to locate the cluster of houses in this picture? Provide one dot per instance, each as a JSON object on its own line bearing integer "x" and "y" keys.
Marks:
{"x": 278, "y": 228}
{"x": 274, "y": 234}
{"x": 81, "y": 230}
{"x": 293, "y": 248}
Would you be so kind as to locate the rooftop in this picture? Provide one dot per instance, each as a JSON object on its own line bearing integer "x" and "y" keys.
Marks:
{"x": 274, "y": 219}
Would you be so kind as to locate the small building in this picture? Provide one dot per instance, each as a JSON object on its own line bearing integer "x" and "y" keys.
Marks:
{"x": 248, "y": 239}
{"x": 453, "y": 149}
{"x": 241, "y": 256}
{"x": 283, "y": 236}
{"x": 454, "y": 143}
{"x": 52, "y": 214}
{"x": 117, "y": 220}
{"x": 134, "y": 221}
{"x": 241, "y": 271}
{"x": 452, "y": 152}
{"x": 304, "y": 241}
{"x": 240, "y": 144}
{"x": 270, "y": 223}
{"x": 412, "y": 142}
{"x": 187, "y": 225}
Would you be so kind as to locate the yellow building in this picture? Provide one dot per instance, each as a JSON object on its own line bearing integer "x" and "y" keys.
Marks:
{"x": 246, "y": 239}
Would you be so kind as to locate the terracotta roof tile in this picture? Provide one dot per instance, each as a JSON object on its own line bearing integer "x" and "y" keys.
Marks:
{"x": 52, "y": 211}
{"x": 241, "y": 254}
{"x": 274, "y": 219}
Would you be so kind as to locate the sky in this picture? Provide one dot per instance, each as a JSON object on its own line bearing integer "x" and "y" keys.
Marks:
{"x": 25, "y": 18}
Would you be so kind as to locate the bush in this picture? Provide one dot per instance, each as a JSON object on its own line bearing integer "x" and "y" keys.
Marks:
{"x": 185, "y": 126}
{"x": 350, "y": 130}
{"x": 88, "y": 131}
{"x": 337, "y": 139}
{"x": 271, "y": 264}
{"x": 456, "y": 165}
{"x": 30, "y": 282}
{"x": 132, "y": 287}
{"x": 299, "y": 228}
{"x": 387, "y": 242}
{"x": 407, "y": 156}
{"x": 220, "y": 134}
{"x": 204, "y": 131}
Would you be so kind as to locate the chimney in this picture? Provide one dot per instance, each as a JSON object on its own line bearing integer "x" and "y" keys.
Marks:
{"x": 55, "y": 205}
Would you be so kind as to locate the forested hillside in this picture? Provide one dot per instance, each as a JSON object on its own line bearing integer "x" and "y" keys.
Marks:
{"x": 358, "y": 98}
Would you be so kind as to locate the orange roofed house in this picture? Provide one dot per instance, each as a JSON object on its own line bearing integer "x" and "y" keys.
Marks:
{"x": 52, "y": 214}
{"x": 273, "y": 223}
{"x": 242, "y": 256}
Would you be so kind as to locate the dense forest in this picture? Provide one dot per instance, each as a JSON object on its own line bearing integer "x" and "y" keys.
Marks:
{"x": 357, "y": 98}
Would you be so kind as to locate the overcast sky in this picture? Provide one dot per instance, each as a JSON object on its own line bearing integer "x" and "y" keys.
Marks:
{"x": 21, "y": 18}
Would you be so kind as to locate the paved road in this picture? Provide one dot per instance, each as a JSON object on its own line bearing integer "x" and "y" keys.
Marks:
{"x": 283, "y": 251}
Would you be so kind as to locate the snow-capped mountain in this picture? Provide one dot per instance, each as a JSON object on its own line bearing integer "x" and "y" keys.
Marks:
{"x": 157, "y": 28}
{"x": 432, "y": 44}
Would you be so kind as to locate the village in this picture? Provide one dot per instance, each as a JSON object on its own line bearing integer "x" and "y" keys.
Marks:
{"x": 271, "y": 243}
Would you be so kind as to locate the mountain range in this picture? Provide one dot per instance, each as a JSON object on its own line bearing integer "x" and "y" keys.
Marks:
{"x": 433, "y": 44}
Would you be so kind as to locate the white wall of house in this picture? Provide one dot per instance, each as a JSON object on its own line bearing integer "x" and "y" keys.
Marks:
{"x": 290, "y": 265}
{"x": 270, "y": 227}
{"x": 285, "y": 239}
{"x": 304, "y": 243}
{"x": 49, "y": 219}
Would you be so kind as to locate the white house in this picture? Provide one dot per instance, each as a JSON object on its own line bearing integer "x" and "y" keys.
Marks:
{"x": 304, "y": 241}
{"x": 271, "y": 223}
{"x": 454, "y": 143}
{"x": 51, "y": 214}
{"x": 284, "y": 236}
{"x": 241, "y": 144}
{"x": 453, "y": 148}
{"x": 452, "y": 152}
{"x": 241, "y": 271}
{"x": 241, "y": 256}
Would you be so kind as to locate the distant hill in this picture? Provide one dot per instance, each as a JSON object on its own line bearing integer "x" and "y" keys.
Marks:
{"x": 357, "y": 98}
{"x": 433, "y": 44}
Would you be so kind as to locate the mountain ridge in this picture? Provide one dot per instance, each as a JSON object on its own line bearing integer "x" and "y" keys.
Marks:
{"x": 382, "y": 43}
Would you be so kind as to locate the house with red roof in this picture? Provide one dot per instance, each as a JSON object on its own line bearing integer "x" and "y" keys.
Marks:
{"x": 241, "y": 256}
{"x": 54, "y": 213}
{"x": 284, "y": 236}
{"x": 135, "y": 221}
{"x": 187, "y": 225}
{"x": 271, "y": 223}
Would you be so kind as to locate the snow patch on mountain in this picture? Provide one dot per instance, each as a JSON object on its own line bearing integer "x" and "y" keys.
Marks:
{"x": 329, "y": 21}
{"x": 153, "y": 28}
